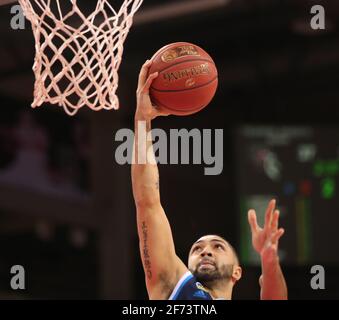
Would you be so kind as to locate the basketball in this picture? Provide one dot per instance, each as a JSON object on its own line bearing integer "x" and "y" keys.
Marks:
{"x": 187, "y": 81}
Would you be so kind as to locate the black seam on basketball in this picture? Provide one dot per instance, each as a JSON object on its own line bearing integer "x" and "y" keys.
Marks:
{"x": 186, "y": 110}
{"x": 188, "y": 89}
{"x": 157, "y": 102}
{"x": 181, "y": 62}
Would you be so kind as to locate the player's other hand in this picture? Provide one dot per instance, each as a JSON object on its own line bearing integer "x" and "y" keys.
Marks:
{"x": 145, "y": 109}
{"x": 265, "y": 240}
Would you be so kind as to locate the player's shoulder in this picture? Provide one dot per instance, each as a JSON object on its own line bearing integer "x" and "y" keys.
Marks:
{"x": 189, "y": 288}
{"x": 166, "y": 282}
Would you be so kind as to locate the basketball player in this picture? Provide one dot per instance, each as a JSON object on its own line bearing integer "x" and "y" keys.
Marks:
{"x": 213, "y": 266}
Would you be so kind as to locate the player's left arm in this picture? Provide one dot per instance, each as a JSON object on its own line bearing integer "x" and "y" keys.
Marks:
{"x": 265, "y": 241}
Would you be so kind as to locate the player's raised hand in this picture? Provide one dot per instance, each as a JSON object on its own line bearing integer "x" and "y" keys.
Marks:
{"x": 265, "y": 240}
{"x": 145, "y": 109}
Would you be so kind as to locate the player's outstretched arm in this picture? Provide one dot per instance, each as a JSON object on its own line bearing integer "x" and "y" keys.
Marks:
{"x": 162, "y": 267}
{"x": 265, "y": 242}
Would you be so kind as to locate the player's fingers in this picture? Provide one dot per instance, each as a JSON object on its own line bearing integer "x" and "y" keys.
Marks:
{"x": 275, "y": 221}
{"x": 252, "y": 220}
{"x": 268, "y": 214}
{"x": 149, "y": 81}
{"x": 261, "y": 280}
{"x": 159, "y": 111}
{"x": 164, "y": 113}
{"x": 143, "y": 73}
{"x": 277, "y": 235}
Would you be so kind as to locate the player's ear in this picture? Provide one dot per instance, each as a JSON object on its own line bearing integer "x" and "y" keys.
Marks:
{"x": 237, "y": 273}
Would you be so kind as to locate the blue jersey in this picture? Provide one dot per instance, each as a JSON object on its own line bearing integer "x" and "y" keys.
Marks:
{"x": 188, "y": 288}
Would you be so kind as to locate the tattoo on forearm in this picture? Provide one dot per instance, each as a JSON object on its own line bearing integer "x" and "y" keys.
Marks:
{"x": 157, "y": 185}
{"x": 147, "y": 261}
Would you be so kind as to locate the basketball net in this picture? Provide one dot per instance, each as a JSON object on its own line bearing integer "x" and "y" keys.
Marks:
{"x": 78, "y": 55}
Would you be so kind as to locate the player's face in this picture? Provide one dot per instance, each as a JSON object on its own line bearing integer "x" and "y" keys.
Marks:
{"x": 211, "y": 258}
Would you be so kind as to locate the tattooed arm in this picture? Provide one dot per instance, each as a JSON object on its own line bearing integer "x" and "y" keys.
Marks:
{"x": 161, "y": 265}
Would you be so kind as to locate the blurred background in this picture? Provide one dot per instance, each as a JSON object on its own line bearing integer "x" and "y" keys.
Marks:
{"x": 66, "y": 208}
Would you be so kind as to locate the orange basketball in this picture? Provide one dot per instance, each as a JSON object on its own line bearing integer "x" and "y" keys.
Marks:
{"x": 187, "y": 81}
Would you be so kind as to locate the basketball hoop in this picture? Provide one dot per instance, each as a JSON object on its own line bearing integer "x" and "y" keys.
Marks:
{"x": 78, "y": 55}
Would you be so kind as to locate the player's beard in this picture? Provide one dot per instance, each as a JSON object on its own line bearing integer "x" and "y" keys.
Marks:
{"x": 211, "y": 275}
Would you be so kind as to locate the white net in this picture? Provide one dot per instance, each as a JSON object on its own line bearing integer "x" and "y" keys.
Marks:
{"x": 78, "y": 54}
